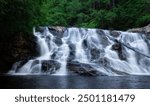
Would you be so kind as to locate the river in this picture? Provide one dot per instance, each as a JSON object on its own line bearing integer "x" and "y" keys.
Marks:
{"x": 73, "y": 82}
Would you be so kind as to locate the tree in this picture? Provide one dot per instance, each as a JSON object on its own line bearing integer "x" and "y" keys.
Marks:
{"x": 22, "y": 15}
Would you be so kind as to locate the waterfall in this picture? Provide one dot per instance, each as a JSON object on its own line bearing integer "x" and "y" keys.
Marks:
{"x": 88, "y": 52}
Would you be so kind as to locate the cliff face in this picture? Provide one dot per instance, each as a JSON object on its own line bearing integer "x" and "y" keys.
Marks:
{"x": 16, "y": 47}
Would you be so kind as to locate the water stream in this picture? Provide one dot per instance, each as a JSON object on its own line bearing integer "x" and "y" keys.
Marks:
{"x": 88, "y": 49}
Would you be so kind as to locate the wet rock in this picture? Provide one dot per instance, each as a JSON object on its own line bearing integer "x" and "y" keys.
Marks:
{"x": 35, "y": 62}
{"x": 53, "y": 56}
{"x": 40, "y": 29}
{"x": 72, "y": 52}
{"x": 104, "y": 61}
{"x": 85, "y": 44}
{"x": 83, "y": 69}
{"x": 100, "y": 32}
{"x": 118, "y": 72}
{"x": 145, "y": 30}
{"x": 57, "y": 31}
{"x": 145, "y": 62}
{"x": 57, "y": 28}
{"x": 48, "y": 38}
{"x": 83, "y": 32}
{"x": 120, "y": 50}
{"x": 19, "y": 65}
{"x": 117, "y": 47}
{"x": 103, "y": 38}
{"x": 58, "y": 41}
{"x": 95, "y": 53}
{"x": 104, "y": 41}
{"x": 148, "y": 36}
{"x": 50, "y": 66}
{"x": 115, "y": 33}
{"x": 136, "y": 30}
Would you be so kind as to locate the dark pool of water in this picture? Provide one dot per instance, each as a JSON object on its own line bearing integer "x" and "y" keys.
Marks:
{"x": 73, "y": 82}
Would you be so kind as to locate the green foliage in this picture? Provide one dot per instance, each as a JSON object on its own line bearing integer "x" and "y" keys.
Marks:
{"x": 143, "y": 20}
{"x": 22, "y": 15}
{"x": 15, "y": 15}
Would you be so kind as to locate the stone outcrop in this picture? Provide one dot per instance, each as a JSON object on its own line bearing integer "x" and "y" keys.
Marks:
{"x": 57, "y": 28}
{"x": 115, "y": 33}
{"x": 83, "y": 69}
{"x": 145, "y": 29}
{"x": 50, "y": 66}
{"x": 120, "y": 50}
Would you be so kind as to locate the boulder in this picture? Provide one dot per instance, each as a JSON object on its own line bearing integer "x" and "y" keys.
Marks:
{"x": 145, "y": 29}
{"x": 115, "y": 33}
{"x": 118, "y": 72}
{"x": 117, "y": 47}
{"x": 83, "y": 69}
{"x": 57, "y": 31}
{"x": 50, "y": 66}
{"x": 120, "y": 50}
{"x": 104, "y": 61}
{"x": 136, "y": 30}
{"x": 95, "y": 53}
{"x": 57, "y": 28}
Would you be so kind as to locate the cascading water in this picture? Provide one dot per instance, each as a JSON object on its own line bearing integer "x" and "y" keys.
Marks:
{"x": 88, "y": 51}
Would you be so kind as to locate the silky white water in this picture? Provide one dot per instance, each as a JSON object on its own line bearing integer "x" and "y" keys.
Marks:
{"x": 93, "y": 47}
